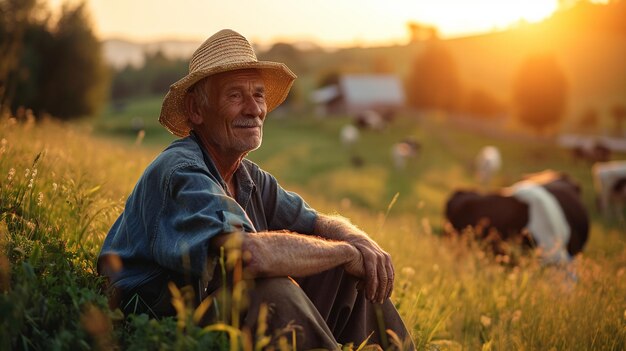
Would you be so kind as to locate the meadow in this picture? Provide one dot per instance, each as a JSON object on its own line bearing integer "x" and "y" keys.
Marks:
{"x": 62, "y": 186}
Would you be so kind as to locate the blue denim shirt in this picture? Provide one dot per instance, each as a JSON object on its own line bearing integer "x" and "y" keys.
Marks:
{"x": 180, "y": 203}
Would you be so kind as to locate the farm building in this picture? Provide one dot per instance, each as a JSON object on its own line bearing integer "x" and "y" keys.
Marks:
{"x": 358, "y": 92}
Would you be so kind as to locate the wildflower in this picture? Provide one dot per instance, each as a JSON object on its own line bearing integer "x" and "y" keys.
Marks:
{"x": 11, "y": 174}
{"x": 34, "y": 173}
{"x": 518, "y": 314}
{"x": 408, "y": 271}
{"x": 55, "y": 186}
{"x": 30, "y": 183}
{"x": 30, "y": 225}
{"x": 39, "y": 198}
{"x": 485, "y": 321}
{"x": 27, "y": 173}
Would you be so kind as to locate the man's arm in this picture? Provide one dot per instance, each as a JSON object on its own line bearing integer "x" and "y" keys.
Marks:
{"x": 274, "y": 254}
{"x": 377, "y": 266}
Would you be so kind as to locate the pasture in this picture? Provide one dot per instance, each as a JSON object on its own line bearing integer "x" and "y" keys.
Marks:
{"x": 452, "y": 295}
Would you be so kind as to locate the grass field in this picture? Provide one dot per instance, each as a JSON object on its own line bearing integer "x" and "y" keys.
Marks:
{"x": 451, "y": 294}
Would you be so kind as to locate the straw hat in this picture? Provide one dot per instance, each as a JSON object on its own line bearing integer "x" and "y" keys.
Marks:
{"x": 224, "y": 51}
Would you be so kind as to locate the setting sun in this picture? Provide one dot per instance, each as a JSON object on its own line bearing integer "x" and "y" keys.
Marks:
{"x": 457, "y": 18}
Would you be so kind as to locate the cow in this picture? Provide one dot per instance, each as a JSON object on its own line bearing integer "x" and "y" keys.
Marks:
{"x": 592, "y": 152}
{"x": 609, "y": 181}
{"x": 348, "y": 135}
{"x": 369, "y": 120}
{"x": 486, "y": 164}
{"x": 403, "y": 150}
{"x": 543, "y": 210}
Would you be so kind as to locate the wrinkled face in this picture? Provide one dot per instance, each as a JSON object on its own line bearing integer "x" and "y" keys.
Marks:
{"x": 234, "y": 113}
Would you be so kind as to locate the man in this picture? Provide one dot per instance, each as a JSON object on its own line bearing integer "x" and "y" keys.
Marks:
{"x": 201, "y": 192}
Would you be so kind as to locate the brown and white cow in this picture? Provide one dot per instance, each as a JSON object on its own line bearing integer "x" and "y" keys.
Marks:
{"x": 547, "y": 205}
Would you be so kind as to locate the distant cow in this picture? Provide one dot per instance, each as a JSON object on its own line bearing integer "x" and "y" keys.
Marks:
{"x": 349, "y": 134}
{"x": 369, "y": 119}
{"x": 547, "y": 205}
{"x": 404, "y": 150}
{"x": 609, "y": 180}
{"x": 487, "y": 164}
{"x": 591, "y": 152}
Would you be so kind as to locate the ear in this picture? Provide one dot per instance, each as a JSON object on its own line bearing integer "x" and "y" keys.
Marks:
{"x": 193, "y": 110}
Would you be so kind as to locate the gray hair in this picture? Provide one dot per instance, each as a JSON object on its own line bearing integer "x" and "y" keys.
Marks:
{"x": 200, "y": 94}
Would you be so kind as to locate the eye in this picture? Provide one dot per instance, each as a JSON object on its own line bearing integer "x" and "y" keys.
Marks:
{"x": 234, "y": 95}
{"x": 259, "y": 95}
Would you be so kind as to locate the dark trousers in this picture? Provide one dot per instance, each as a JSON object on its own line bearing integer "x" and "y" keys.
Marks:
{"x": 327, "y": 309}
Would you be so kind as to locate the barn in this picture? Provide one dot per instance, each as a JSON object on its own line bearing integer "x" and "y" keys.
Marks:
{"x": 358, "y": 92}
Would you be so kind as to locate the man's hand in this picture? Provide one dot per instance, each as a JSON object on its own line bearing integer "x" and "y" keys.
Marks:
{"x": 377, "y": 270}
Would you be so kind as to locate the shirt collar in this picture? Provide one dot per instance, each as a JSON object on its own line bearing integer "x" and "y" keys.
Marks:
{"x": 245, "y": 184}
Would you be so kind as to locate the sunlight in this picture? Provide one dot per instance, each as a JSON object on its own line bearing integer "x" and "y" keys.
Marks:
{"x": 477, "y": 16}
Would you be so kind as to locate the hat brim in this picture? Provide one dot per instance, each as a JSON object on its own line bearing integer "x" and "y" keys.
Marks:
{"x": 277, "y": 78}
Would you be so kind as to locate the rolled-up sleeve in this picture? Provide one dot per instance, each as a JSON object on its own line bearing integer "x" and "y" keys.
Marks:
{"x": 194, "y": 210}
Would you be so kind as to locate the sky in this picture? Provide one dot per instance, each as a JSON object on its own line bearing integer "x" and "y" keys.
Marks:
{"x": 326, "y": 22}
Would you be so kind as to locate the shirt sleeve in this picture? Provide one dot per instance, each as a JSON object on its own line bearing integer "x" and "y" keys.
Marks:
{"x": 194, "y": 210}
{"x": 286, "y": 209}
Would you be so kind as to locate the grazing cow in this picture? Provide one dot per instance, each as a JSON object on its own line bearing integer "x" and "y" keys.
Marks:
{"x": 349, "y": 135}
{"x": 592, "y": 152}
{"x": 369, "y": 119}
{"x": 487, "y": 164}
{"x": 547, "y": 205}
{"x": 404, "y": 150}
{"x": 609, "y": 180}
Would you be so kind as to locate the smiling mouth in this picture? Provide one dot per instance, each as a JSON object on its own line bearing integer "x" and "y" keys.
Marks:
{"x": 252, "y": 123}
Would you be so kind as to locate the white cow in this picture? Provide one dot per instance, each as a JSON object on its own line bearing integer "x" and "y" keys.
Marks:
{"x": 487, "y": 164}
{"x": 609, "y": 181}
{"x": 349, "y": 135}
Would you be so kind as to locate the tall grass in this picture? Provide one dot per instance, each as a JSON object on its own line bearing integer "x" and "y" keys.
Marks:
{"x": 61, "y": 188}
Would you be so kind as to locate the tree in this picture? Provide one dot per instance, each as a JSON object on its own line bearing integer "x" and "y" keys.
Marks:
{"x": 434, "y": 80}
{"x": 15, "y": 18}
{"x": 420, "y": 32}
{"x": 539, "y": 93}
{"x": 78, "y": 80}
{"x": 481, "y": 104}
{"x": 287, "y": 53}
{"x": 56, "y": 69}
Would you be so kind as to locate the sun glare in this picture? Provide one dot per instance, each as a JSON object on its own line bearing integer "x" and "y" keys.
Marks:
{"x": 455, "y": 18}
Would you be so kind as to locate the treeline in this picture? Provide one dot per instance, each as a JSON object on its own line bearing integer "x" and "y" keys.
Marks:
{"x": 153, "y": 78}
{"x": 54, "y": 68}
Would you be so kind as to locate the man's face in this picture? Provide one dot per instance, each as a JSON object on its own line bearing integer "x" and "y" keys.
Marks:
{"x": 233, "y": 122}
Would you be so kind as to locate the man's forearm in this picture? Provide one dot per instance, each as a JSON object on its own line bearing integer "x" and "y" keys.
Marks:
{"x": 338, "y": 228}
{"x": 289, "y": 254}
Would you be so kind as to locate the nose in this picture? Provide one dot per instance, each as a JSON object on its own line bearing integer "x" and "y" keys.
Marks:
{"x": 253, "y": 108}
